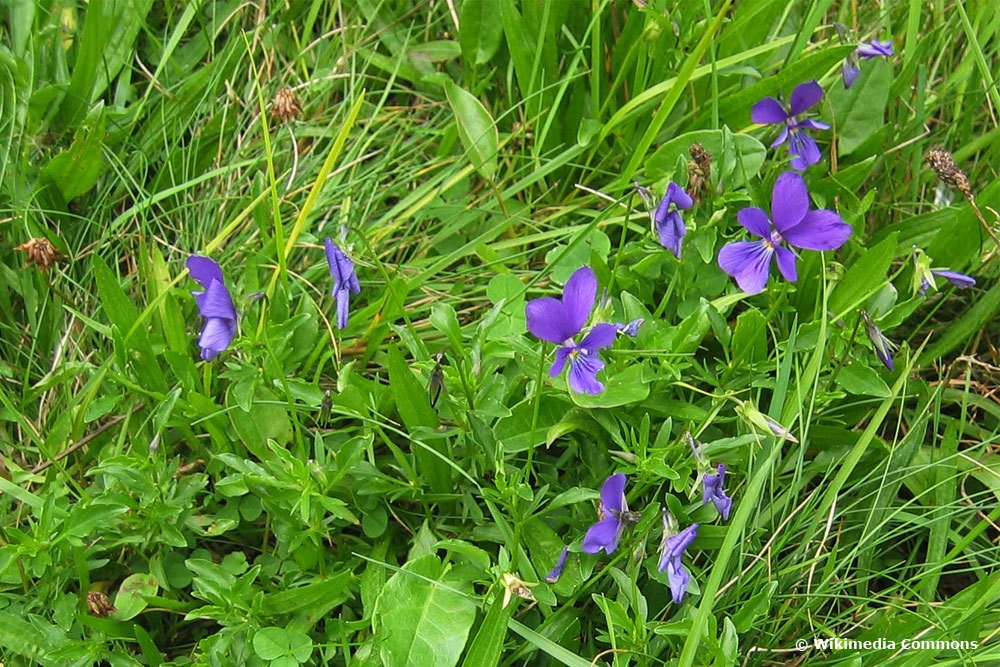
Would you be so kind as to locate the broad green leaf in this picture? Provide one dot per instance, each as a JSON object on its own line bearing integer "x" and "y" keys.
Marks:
{"x": 444, "y": 319}
{"x": 76, "y": 170}
{"x": 865, "y": 277}
{"x": 18, "y": 636}
{"x": 861, "y": 380}
{"x": 423, "y": 615}
{"x": 132, "y": 594}
{"x": 749, "y": 343}
{"x": 411, "y": 397}
{"x": 759, "y": 603}
{"x": 860, "y": 109}
{"x": 476, "y": 129}
{"x": 271, "y": 643}
{"x": 624, "y": 388}
{"x": 746, "y": 154}
{"x": 481, "y": 30}
{"x": 434, "y": 52}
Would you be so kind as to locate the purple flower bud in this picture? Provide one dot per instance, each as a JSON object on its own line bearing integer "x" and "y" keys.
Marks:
{"x": 671, "y": 549}
{"x": 957, "y": 279}
{"x": 630, "y": 329}
{"x": 553, "y": 576}
{"x": 345, "y": 280}
{"x": 850, "y": 71}
{"x": 712, "y": 491}
{"x": 883, "y": 346}
{"x": 669, "y": 224}
{"x": 874, "y": 49}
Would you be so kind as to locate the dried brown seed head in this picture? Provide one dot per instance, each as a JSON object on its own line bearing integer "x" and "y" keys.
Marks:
{"x": 943, "y": 164}
{"x": 41, "y": 252}
{"x": 285, "y": 107}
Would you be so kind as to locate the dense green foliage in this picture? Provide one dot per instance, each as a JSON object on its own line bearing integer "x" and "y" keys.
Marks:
{"x": 300, "y": 501}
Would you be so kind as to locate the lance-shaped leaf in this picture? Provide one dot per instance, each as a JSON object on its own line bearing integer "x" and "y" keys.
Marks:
{"x": 476, "y": 129}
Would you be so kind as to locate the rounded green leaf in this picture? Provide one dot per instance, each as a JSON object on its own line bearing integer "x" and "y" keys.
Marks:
{"x": 271, "y": 643}
{"x": 132, "y": 594}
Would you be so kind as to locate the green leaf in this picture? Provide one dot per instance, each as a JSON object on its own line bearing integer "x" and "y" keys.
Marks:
{"x": 738, "y": 161}
{"x": 423, "y": 615}
{"x": 860, "y": 109}
{"x": 624, "y": 388}
{"x": 476, "y": 129}
{"x": 444, "y": 319}
{"x": 749, "y": 342}
{"x": 481, "y": 30}
{"x": 308, "y": 597}
{"x": 754, "y": 607}
{"x": 865, "y": 277}
{"x": 487, "y": 645}
{"x": 131, "y": 597}
{"x": 20, "y": 637}
{"x": 271, "y": 643}
{"x": 860, "y": 380}
{"x": 412, "y": 401}
{"x": 76, "y": 170}
{"x": 435, "y": 51}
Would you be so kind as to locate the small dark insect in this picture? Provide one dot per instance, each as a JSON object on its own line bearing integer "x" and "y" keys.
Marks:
{"x": 324, "y": 409}
{"x": 99, "y": 604}
{"x": 436, "y": 384}
{"x": 699, "y": 171}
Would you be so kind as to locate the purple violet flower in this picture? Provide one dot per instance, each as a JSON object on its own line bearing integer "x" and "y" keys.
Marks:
{"x": 959, "y": 280}
{"x": 560, "y": 320}
{"x": 553, "y": 576}
{"x": 671, "y": 549}
{"x": 883, "y": 346}
{"x": 874, "y": 49}
{"x": 215, "y": 305}
{"x": 612, "y": 515}
{"x": 800, "y": 144}
{"x": 668, "y": 221}
{"x": 794, "y": 223}
{"x": 712, "y": 491}
{"x": 851, "y": 70}
{"x": 345, "y": 280}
